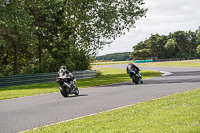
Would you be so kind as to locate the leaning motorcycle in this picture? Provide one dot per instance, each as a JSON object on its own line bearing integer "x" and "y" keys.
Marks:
{"x": 67, "y": 85}
{"x": 135, "y": 77}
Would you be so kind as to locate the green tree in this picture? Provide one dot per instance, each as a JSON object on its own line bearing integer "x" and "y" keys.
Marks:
{"x": 156, "y": 45}
{"x": 171, "y": 48}
{"x": 198, "y": 51}
{"x": 16, "y": 32}
{"x": 153, "y": 47}
{"x": 115, "y": 56}
{"x": 198, "y": 36}
{"x": 178, "y": 44}
{"x": 141, "y": 45}
{"x": 83, "y": 24}
{"x": 192, "y": 44}
{"x": 47, "y": 21}
{"x": 182, "y": 41}
{"x": 141, "y": 54}
{"x": 57, "y": 32}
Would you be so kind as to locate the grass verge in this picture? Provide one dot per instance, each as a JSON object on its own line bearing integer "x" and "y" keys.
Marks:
{"x": 99, "y": 63}
{"x": 187, "y": 63}
{"x": 109, "y": 76}
{"x": 175, "y": 113}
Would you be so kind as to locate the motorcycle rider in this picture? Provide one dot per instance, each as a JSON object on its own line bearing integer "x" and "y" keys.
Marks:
{"x": 63, "y": 70}
{"x": 132, "y": 67}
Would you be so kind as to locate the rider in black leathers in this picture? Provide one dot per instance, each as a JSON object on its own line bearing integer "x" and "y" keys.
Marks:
{"x": 132, "y": 67}
{"x": 63, "y": 70}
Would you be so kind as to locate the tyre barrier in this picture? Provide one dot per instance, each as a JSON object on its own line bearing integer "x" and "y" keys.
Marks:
{"x": 143, "y": 61}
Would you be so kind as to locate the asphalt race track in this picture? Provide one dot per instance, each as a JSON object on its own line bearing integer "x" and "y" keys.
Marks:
{"x": 20, "y": 114}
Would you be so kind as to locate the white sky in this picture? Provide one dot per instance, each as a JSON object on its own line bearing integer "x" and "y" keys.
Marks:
{"x": 163, "y": 17}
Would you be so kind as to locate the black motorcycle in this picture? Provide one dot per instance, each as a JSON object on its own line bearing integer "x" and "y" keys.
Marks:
{"x": 67, "y": 85}
{"x": 135, "y": 77}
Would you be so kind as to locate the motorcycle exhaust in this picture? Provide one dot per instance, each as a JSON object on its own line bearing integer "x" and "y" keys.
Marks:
{"x": 67, "y": 85}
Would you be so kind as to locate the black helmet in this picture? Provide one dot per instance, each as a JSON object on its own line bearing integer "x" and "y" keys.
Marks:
{"x": 63, "y": 67}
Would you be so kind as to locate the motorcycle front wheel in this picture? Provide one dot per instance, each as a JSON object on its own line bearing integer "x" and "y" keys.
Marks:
{"x": 136, "y": 81}
{"x": 76, "y": 92}
{"x": 63, "y": 92}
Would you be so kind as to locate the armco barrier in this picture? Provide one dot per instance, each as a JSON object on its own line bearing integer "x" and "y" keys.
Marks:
{"x": 41, "y": 78}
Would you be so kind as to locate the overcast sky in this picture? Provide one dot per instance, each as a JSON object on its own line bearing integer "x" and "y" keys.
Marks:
{"x": 163, "y": 17}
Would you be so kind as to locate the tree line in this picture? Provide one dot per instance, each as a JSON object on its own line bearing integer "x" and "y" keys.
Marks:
{"x": 40, "y": 36}
{"x": 180, "y": 44}
{"x": 115, "y": 57}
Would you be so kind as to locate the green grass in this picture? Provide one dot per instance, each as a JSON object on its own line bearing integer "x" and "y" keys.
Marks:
{"x": 179, "y": 113}
{"x": 187, "y": 63}
{"x": 109, "y": 62}
{"x": 109, "y": 76}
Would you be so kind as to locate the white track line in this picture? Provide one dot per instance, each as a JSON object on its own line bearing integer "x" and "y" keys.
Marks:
{"x": 165, "y": 73}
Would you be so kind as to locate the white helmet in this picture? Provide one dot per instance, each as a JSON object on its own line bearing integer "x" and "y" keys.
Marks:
{"x": 63, "y": 67}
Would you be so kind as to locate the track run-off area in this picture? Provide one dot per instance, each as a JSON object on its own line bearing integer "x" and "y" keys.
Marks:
{"x": 24, "y": 113}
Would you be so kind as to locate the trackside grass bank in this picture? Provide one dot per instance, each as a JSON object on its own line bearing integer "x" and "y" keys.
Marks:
{"x": 187, "y": 63}
{"x": 178, "y": 113}
{"x": 99, "y": 63}
{"x": 109, "y": 76}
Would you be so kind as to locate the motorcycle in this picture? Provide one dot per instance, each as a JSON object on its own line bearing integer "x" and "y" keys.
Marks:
{"x": 136, "y": 78}
{"x": 67, "y": 85}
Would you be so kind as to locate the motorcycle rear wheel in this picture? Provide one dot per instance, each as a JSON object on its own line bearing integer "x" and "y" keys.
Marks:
{"x": 63, "y": 92}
